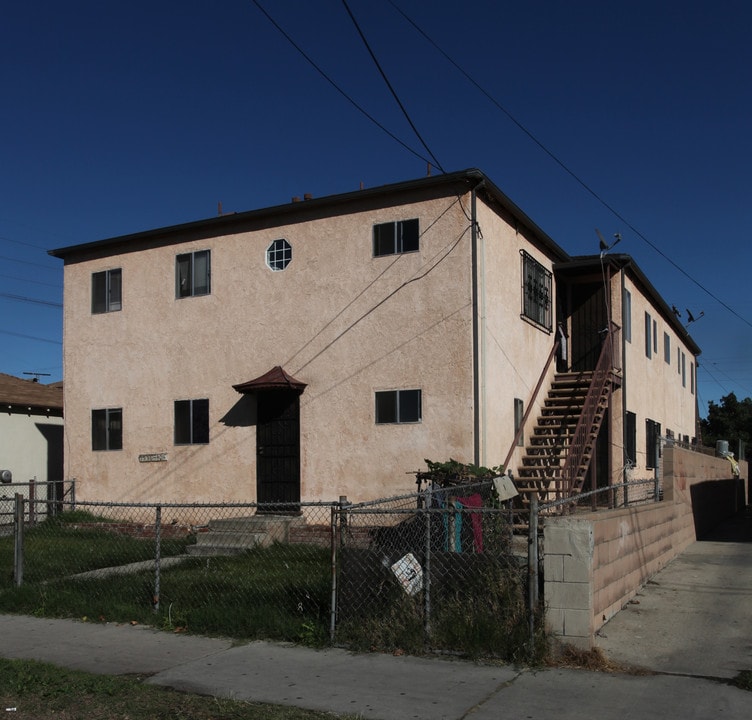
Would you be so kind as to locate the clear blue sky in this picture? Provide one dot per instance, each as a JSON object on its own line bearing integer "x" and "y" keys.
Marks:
{"x": 121, "y": 117}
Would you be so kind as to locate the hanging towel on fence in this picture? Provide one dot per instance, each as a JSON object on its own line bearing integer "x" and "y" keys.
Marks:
{"x": 473, "y": 501}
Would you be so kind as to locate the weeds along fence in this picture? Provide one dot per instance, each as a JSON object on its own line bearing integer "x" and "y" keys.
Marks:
{"x": 443, "y": 570}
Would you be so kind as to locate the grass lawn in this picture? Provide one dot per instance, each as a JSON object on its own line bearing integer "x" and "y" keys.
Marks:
{"x": 40, "y": 691}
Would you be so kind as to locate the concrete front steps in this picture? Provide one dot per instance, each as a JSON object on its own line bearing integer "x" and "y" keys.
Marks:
{"x": 233, "y": 536}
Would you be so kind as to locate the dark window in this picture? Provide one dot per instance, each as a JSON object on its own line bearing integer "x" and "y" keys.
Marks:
{"x": 692, "y": 378}
{"x": 653, "y": 438}
{"x": 398, "y": 406}
{"x": 519, "y": 412}
{"x": 631, "y": 438}
{"x": 684, "y": 369}
{"x": 627, "y": 313}
{"x": 655, "y": 337}
{"x": 106, "y": 291}
{"x": 191, "y": 422}
{"x": 279, "y": 255}
{"x": 193, "y": 274}
{"x": 393, "y": 238}
{"x": 648, "y": 335}
{"x": 667, "y": 348}
{"x": 536, "y": 292}
{"x": 107, "y": 429}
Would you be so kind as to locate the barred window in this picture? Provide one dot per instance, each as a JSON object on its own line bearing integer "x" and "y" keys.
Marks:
{"x": 536, "y": 292}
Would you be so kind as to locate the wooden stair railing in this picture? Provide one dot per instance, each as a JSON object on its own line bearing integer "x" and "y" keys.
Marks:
{"x": 578, "y": 458}
{"x": 530, "y": 405}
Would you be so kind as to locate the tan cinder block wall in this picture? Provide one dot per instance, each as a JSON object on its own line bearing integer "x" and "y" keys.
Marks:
{"x": 594, "y": 563}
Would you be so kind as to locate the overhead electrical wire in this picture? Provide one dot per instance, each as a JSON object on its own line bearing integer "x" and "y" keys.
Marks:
{"x": 564, "y": 167}
{"x": 391, "y": 88}
{"x": 335, "y": 86}
{"x": 23, "y": 298}
{"x": 30, "y": 337}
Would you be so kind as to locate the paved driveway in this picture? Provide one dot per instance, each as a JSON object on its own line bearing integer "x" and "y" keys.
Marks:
{"x": 695, "y": 616}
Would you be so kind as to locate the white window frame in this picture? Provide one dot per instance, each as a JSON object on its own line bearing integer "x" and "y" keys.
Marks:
{"x": 278, "y": 255}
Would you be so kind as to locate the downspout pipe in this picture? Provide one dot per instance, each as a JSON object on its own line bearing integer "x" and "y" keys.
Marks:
{"x": 476, "y": 326}
{"x": 624, "y": 377}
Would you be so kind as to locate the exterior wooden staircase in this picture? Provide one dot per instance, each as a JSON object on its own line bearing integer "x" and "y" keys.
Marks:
{"x": 562, "y": 442}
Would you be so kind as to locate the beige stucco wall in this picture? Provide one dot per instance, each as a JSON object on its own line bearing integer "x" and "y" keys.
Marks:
{"x": 336, "y": 318}
{"x": 595, "y": 562}
{"x": 653, "y": 388}
{"x": 513, "y": 351}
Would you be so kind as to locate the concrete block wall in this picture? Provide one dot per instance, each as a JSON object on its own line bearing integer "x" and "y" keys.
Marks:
{"x": 596, "y": 562}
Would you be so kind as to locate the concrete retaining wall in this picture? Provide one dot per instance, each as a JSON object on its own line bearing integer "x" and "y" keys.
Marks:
{"x": 594, "y": 563}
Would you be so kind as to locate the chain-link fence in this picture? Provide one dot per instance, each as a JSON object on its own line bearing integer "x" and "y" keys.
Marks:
{"x": 447, "y": 572}
{"x": 433, "y": 570}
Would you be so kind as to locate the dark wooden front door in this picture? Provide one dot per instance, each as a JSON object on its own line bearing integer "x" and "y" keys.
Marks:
{"x": 278, "y": 449}
{"x": 589, "y": 322}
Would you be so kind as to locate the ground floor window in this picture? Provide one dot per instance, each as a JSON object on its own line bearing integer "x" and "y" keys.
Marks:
{"x": 107, "y": 429}
{"x": 191, "y": 422}
{"x": 398, "y": 406}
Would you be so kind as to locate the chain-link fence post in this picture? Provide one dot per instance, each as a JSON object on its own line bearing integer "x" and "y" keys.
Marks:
{"x": 157, "y": 556}
{"x": 427, "y": 570}
{"x": 18, "y": 537}
{"x": 335, "y": 522}
{"x": 532, "y": 568}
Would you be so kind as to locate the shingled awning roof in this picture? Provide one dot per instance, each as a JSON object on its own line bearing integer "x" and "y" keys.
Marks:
{"x": 275, "y": 379}
{"x": 19, "y": 395}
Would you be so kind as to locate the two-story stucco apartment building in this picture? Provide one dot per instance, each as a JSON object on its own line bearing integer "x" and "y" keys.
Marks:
{"x": 326, "y": 347}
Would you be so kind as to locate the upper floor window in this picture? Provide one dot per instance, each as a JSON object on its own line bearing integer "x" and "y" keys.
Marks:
{"x": 398, "y": 406}
{"x": 193, "y": 274}
{"x": 106, "y": 291}
{"x": 107, "y": 429}
{"x": 393, "y": 238}
{"x": 191, "y": 422}
{"x": 627, "y": 315}
{"x": 536, "y": 292}
{"x": 667, "y": 348}
{"x": 279, "y": 254}
{"x": 648, "y": 335}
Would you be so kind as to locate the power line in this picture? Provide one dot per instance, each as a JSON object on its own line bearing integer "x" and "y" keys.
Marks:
{"x": 391, "y": 89}
{"x": 30, "y": 262}
{"x": 22, "y": 298}
{"x": 21, "y": 242}
{"x": 564, "y": 167}
{"x": 30, "y": 337}
{"x": 334, "y": 84}
{"x": 34, "y": 282}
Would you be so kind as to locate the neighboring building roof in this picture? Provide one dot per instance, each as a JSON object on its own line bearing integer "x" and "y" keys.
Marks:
{"x": 621, "y": 261}
{"x": 29, "y": 396}
{"x": 384, "y": 195}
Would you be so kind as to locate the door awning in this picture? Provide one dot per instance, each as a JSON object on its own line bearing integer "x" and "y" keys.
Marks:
{"x": 275, "y": 379}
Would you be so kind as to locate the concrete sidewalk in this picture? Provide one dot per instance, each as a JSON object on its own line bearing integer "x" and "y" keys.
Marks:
{"x": 692, "y": 623}
{"x": 374, "y": 686}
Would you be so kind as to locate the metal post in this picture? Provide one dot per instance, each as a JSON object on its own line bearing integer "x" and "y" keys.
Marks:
{"x": 532, "y": 568}
{"x": 18, "y": 549}
{"x": 333, "y": 605}
{"x": 427, "y": 572}
{"x": 157, "y": 556}
{"x": 32, "y": 500}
